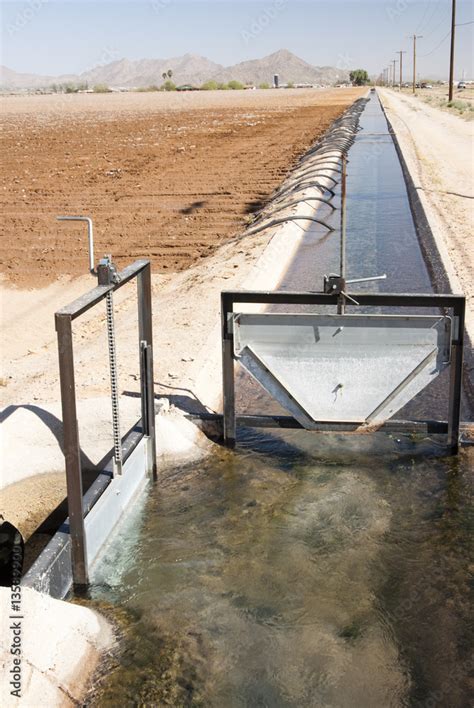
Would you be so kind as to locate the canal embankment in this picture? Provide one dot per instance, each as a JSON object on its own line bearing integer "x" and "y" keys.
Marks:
{"x": 436, "y": 148}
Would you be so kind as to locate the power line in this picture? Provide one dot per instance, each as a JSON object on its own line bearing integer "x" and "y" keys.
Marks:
{"x": 460, "y": 24}
{"x": 420, "y": 23}
{"x": 435, "y": 29}
{"x": 429, "y": 19}
{"x": 437, "y": 46}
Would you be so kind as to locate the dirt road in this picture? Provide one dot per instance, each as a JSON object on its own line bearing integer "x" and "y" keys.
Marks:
{"x": 165, "y": 176}
{"x": 438, "y": 149}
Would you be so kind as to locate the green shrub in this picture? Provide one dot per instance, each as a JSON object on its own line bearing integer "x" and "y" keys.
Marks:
{"x": 210, "y": 86}
{"x": 460, "y": 106}
{"x": 264, "y": 85}
{"x": 101, "y": 88}
{"x": 168, "y": 86}
{"x": 235, "y": 85}
{"x": 290, "y": 84}
{"x": 147, "y": 89}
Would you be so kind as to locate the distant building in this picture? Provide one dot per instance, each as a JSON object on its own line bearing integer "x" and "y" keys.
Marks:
{"x": 276, "y": 81}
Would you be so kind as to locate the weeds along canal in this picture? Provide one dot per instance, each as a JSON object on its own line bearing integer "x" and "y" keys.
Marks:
{"x": 303, "y": 569}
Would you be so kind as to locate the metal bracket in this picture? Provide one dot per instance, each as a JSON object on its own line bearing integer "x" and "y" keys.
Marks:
{"x": 107, "y": 273}
{"x": 334, "y": 284}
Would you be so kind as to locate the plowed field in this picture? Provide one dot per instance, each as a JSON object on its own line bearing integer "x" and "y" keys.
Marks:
{"x": 164, "y": 176}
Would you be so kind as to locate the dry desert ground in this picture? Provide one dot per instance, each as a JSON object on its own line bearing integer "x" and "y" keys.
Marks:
{"x": 167, "y": 176}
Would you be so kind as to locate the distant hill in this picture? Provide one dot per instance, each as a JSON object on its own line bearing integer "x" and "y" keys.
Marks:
{"x": 10, "y": 79}
{"x": 188, "y": 69}
{"x": 288, "y": 66}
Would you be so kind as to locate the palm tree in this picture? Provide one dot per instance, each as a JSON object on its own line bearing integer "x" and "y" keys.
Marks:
{"x": 170, "y": 73}
{"x": 164, "y": 75}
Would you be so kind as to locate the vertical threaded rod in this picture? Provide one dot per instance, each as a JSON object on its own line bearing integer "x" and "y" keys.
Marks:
{"x": 114, "y": 384}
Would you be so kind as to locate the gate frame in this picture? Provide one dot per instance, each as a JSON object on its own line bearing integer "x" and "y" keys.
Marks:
{"x": 141, "y": 270}
{"x": 457, "y": 303}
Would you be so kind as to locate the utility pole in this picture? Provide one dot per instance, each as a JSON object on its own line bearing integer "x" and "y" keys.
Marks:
{"x": 401, "y": 69}
{"x": 394, "y": 61}
{"x": 415, "y": 37}
{"x": 451, "y": 57}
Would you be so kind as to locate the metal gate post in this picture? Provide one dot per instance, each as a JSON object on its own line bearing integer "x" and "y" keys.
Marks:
{"x": 72, "y": 451}
{"x": 145, "y": 334}
{"x": 455, "y": 380}
{"x": 228, "y": 382}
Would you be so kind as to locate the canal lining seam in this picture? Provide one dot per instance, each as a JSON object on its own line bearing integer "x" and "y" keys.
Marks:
{"x": 431, "y": 254}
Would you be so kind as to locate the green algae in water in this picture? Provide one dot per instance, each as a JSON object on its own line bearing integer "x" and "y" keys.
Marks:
{"x": 146, "y": 667}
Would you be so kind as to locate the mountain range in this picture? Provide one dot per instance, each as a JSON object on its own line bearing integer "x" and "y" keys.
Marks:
{"x": 188, "y": 69}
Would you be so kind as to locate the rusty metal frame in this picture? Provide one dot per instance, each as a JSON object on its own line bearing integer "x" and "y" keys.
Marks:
{"x": 64, "y": 318}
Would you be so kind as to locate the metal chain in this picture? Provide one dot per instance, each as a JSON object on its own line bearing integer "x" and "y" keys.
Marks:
{"x": 114, "y": 384}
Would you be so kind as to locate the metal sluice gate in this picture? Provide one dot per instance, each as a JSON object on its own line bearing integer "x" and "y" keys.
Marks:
{"x": 68, "y": 558}
{"x": 342, "y": 372}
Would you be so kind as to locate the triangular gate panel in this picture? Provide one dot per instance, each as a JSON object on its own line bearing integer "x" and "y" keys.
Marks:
{"x": 346, "y": 368}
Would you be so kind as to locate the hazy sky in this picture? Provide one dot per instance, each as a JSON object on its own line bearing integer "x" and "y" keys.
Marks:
{"x": 49, "y": 37}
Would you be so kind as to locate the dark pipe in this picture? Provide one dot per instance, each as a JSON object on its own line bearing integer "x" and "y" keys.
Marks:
{"x": 12, "y": 549}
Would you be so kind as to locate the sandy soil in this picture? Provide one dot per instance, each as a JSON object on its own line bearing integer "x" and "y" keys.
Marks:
{"x": 165, "y": 176}
{"x": 438, "y": 149}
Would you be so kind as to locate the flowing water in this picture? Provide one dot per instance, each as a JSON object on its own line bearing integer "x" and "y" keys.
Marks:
{"x": 301, "y": 569}
{"x": 381, "y": 236}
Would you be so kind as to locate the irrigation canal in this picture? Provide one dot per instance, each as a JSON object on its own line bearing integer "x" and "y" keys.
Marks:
{"x": 305, "y": 570}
